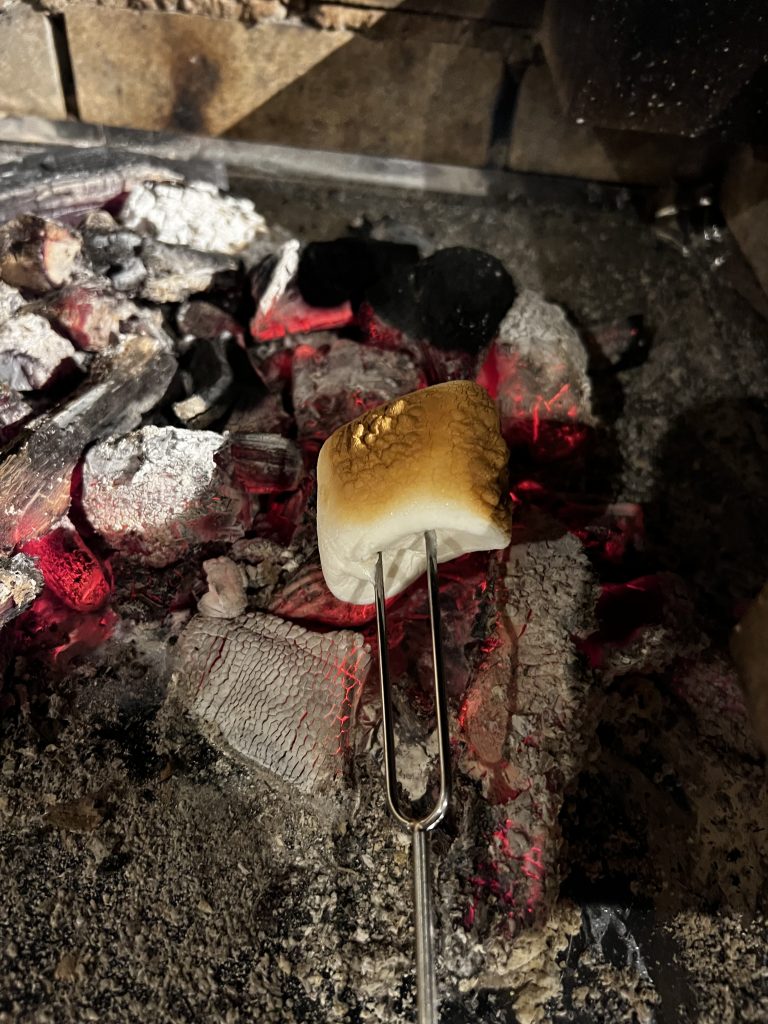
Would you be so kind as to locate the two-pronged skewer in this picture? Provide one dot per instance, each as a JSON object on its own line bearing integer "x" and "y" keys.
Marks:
{"x": 426, "y": 990}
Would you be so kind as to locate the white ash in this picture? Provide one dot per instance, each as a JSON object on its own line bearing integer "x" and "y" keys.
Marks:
{"x": 196, "y": 215}
{"x": 31, "y": 352}
{"x": 174, "y": 272}
{"x": 35, "y": 478}
{"x": 159, "y": 491}
{"x": 225, "y": 597}
{"x": 20, "y": 583}
{"x": 274, "y": 692}
{"x": 338, "y": 382}
{"x": 13, "y": 407}
{"x": 550, "y": 354}
{"x": 273, "y": 276}
{"x": 11, "y": 300}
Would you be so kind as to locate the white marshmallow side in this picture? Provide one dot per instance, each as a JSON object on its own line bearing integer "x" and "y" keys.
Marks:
{"x": 348, "y": 553}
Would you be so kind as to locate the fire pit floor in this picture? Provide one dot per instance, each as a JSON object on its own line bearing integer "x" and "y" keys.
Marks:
{"x": 147, "y": 877}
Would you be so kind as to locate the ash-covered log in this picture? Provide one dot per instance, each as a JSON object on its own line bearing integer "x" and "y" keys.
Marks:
{"x": 20, "y": 583}
{"x": 65, "y": 182}
{"x": 32, "y": 353}
{"x": 35, "y": 477}
{"x": 11, "y": 300}
{"x": 537, "y": 370}
{"x": 89, "y": 314}
{"x": 159, "y": 491}
{"x": 336, "y": 382}
{"x": 174, "y": 272}
{"x": 528, "y": 752}
{"x": 37, "y": 254}
{"x": 277, "y": 694}
{"x": 280, "y": 307}
{"x": 196, "y": 215}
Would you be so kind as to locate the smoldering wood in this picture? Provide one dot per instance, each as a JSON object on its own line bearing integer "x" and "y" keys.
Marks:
{"x": 211, "y": 371}
{"x": 35, "y": 477}
{"x": 32, "y": 353}
{"x": 20, "y": 583}
{"x": 232, "y": 674}
{"x": 67, "y": 182}
{"x": 37, "y": 254}
{"x": 174, "y": 272}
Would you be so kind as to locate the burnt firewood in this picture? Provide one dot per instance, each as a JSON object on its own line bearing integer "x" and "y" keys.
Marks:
{"x": 35, "y": 476}
{"x": 37, "y": 254}
{"x": 275, "y": 693}
{"x": 211, "y": 376}
{"x": 200, "y": 319}
{"x": 174, "y": 272}
{"x": 20, "y": 583}
{"x": 89, "y": 314}
{"x": 32, "y": 354}
{"x": 280, "y": 307}
{"x": 64, "y": 182}
{"x": 264, "y": 463}
{"x": 197, "y": 216}
{"x": 159, "y": 491}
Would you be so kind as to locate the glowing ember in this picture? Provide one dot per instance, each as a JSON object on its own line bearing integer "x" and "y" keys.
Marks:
{"x": 71, "y": 569}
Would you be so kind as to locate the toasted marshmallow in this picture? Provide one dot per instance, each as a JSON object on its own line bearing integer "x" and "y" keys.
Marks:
{"x": 431, "y": 460}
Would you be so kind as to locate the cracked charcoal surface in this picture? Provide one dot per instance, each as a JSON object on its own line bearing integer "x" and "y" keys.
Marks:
{"x": 278, "y": 694}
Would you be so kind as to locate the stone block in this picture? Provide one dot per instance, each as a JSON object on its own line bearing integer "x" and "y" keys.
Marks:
{"x": 744, "y": 201}
{"x": 516, "y": 45}
{"x": 286, "y": 84}
{"x": 521, "y": 13}
{"x": 547, "y": 141}
{"x": 29, "y": 68}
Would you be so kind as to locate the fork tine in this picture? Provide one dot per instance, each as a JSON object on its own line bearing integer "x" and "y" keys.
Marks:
{"x": 426, "y": 991}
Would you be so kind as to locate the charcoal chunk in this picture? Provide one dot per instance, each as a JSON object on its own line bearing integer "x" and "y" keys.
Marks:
{"x": 455, "y": 299}
{"x": 273, "y": 692}
{"x": 344, "y": 270}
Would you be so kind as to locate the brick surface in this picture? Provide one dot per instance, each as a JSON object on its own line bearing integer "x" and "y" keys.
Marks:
{"x": 284, "y": 84}
{"x": 29, "y": 70}
{"x": 523, "y": 13}
{"x": 546, "y": 141}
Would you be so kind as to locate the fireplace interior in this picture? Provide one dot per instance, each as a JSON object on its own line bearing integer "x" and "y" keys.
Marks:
{"x": 192, "y": 815}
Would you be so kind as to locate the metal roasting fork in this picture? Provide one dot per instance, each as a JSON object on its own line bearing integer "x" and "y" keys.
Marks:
{"x": 426, "y": 989}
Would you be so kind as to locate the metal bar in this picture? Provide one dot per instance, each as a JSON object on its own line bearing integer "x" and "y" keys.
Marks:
{"x": 254, "y": 160}
{"x": 426, "y": 984}
{"x": 426, "y": 987}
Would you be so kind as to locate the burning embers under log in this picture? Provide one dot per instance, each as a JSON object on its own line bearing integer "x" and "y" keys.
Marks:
{"x": 169, "y": 367}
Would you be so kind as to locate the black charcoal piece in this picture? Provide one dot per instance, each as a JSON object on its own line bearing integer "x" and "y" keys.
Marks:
{"x": 454, "y": 299}
{"x": 331, "y": 273}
